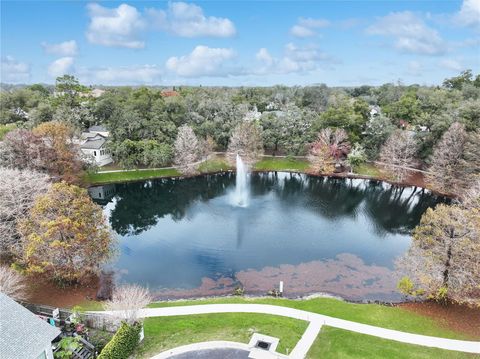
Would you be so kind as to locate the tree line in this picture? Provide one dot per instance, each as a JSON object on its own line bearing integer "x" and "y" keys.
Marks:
{"x": 46, "y": 219}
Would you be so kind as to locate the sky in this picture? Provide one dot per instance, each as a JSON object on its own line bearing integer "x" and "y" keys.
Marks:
{"x": 239, "y": 43}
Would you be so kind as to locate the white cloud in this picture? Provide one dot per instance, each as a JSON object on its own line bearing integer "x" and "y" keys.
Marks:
{"x": 294, "y": 60}
{"x": 306, "y": 26}
{"x": 202, "y": 61}
{"x": 61, "y": 66}
{"x": 411, "y": 34}
{"x": 66, "y": 48}
{"x": 469, "y": 14}
{"x": 452, "y": 65}
{"x": 13, "y": 71}
{"x": 301, "y": 31}
{"x": 188, "y": 20}
{"x": 264, "y": 56}
{"x": 313, "y": 23}
{"x": 130, "y": 75}
{"x": 118, "y": 26}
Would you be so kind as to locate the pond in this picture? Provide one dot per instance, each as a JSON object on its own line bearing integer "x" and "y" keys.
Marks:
{"x": 185, "y": 237}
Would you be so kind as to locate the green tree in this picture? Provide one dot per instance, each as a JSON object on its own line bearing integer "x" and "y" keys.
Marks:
{"x": 458, "y": 81}
{"x": 66, "y": 235}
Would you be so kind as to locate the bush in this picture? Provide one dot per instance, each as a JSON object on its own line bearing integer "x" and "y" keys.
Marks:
{"x": 123, "y": 343}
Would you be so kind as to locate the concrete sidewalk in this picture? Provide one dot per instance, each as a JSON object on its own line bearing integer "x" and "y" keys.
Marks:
{"x": 316, "y": 322}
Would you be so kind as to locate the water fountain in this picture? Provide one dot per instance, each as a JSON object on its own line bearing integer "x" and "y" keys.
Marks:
{"x": 241, "y": 193}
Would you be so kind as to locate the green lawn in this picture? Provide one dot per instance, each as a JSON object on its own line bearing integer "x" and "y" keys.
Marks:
{"x": 4, "y": 129}
{"x": 333, "y": 343}
{"x": 373, "y": 314}
{"x": 169, "y": 332}
{"x": 281, "y": 164}
{"x": 368, "y": 169}
{"x": 99, "y": 178}
{"x": 217, "y": 164}
{"x": 163, "y": 333}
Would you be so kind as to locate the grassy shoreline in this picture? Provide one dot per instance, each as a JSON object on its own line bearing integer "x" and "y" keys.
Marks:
{"x": 215, "y": 165}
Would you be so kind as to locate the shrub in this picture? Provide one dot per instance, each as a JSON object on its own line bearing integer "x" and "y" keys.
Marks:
{"x": 123, "y": 343}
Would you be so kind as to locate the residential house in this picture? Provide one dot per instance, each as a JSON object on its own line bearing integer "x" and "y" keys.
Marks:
{"x": 93, "y": 144}
{"x": 22, "y": 333}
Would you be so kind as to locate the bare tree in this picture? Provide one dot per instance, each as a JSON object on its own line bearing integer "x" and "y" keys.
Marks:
{"x": 399, "y": 152}
{"x": 329, "y": 150}
{"x": 18, "y": 191}
{"x": 445, "y": 170}
{"x": 443, "y": 261}
{"x": 206, "y": 146}
{"x": 186, "y": 150}
{"x": 471, "y": 197}
{"x": 246, "y": 141}
{"x": 23, "y": 149}
{"x": 127, "y": 301}
{"x": 12, "y": 284}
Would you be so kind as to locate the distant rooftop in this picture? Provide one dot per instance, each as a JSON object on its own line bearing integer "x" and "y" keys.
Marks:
{"x": 22, "y": 333}
{"x": 97, "y": 128}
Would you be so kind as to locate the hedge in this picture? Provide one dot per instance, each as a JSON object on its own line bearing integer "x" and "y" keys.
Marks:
{"x": 123, "y": 343}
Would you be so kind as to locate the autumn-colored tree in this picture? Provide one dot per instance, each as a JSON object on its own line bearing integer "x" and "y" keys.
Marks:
{"x": 246, "y": 141}
{"x": 186, "y": 150}
{"x": 64, "y": 158}
{"x": 443, "y": 261}
{"x": 330, "y": 149}
{"x": 445, "y": 171}
{"x": 398, "y": 153}
{"x": 66, "y": 235}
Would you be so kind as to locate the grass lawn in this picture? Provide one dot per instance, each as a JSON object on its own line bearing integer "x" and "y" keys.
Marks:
{"x": 4, "y": 129}
{"x": 368, "y": 169}
{"x": 216, "y": 164}
{"x": 169, "y": 332}
{"x": 335, "y": 343}
{"x": 379, "y": 315}
{"x": 281, "y": 164}
{"x": 163, "y": 333}
{"x": 99, "y": 178}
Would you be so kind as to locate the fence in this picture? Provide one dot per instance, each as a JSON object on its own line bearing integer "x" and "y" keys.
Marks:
{"x": 91, "y": 320}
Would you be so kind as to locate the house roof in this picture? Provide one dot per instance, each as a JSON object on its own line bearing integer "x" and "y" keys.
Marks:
{"x": 97, "y": 128}
{"x": 94, "y": 143}
{"x": 22, "y": 333}
{"x": 169, "y": 93}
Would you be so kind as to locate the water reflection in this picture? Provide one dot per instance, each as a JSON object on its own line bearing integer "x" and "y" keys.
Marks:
{"x": 393, "y": 209}
{"x": 184, "y": 236}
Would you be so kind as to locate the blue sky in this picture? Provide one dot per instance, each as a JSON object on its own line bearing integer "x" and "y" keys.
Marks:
{"x": 340, "y": 43}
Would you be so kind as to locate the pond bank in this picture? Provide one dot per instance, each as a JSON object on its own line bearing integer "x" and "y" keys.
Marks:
{"x": 266, "y": 164}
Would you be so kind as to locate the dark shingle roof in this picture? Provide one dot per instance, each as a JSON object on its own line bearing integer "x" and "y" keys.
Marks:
{"x": 22, "y": 333}
{"x": 93, "y": 144}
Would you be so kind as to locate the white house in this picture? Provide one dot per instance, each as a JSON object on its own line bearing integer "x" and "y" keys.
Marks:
{"x": 93, "y": 144}
{"x": 23, "y": 334}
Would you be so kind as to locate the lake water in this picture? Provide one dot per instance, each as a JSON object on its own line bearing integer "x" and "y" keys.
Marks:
{"x": 185, "y": 238}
